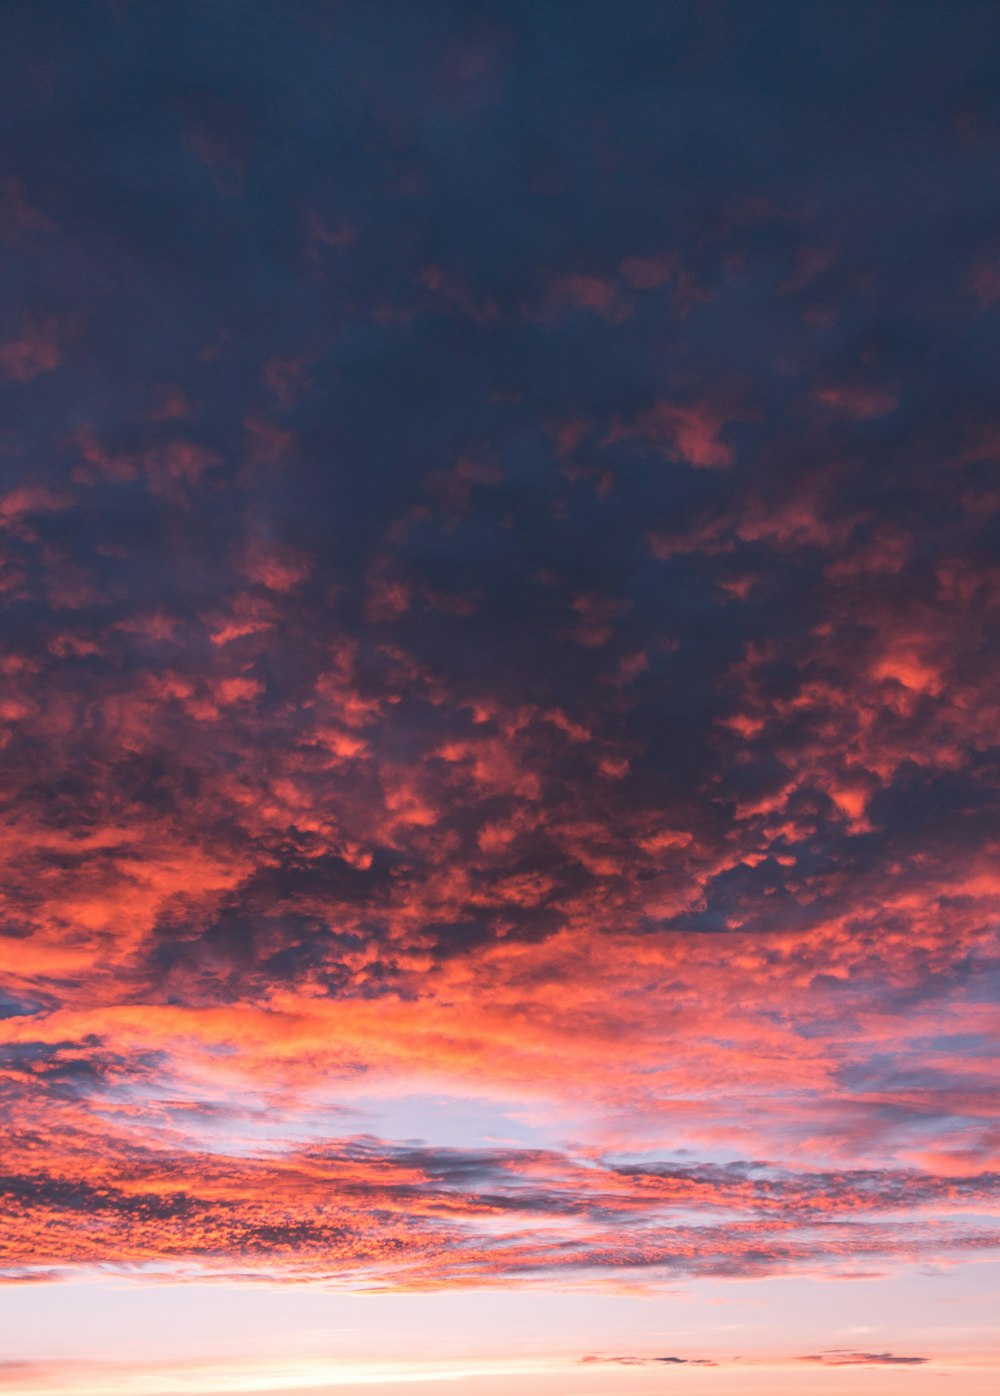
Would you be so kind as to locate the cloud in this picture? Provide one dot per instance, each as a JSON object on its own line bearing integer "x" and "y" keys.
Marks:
{"x": 37, "y": 348}
{"x": 688, "y": 432}
{"x": 839, "y": 1357}
{"x": 650, "y": 1361}
{"x": 499, "y": 600}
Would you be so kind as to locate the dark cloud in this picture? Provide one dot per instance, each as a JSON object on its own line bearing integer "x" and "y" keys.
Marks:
{"x": 649, "y": 1361}
{"x": 840, "y": 1358}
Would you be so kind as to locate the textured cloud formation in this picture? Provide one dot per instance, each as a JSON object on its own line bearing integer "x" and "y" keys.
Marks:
{"x": 500, "y": 601}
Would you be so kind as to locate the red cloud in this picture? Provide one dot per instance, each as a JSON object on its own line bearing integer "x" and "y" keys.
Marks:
{"x": 37, "y": 349}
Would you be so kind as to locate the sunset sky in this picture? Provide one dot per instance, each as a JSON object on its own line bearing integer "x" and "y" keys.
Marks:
{"x": 499, "y": 700}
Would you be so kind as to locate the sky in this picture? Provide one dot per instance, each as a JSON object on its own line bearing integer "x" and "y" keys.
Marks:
{"x": 499, "y": 772}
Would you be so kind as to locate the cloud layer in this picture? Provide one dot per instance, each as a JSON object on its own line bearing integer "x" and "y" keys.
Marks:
{"x": 500, "y": 594}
